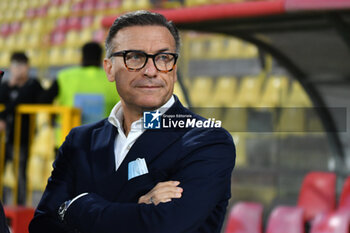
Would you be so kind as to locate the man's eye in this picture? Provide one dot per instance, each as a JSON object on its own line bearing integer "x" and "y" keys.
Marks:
{"x": 134, "y": 56}
{"x": 164, "y": 57}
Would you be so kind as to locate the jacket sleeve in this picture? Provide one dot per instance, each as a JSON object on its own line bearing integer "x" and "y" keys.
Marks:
{"x": 57, "y": 191}
{"x": 205, "y": 176}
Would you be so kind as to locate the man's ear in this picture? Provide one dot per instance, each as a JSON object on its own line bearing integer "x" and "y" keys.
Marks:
{"x": 108, "y": 66}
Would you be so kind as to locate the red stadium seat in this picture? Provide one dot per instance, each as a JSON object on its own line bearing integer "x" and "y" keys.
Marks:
{"x": 57, "y": 37}
{"x": 16, "y": 27}
{"x": 89, "y": 6}
{"x": 335, "y": 222}
{"x": 19, "y": 217}
{"x": 286, "y": 219}
{"x": 245, "y": 217}
{"x": 56, "y": 2}
{"x": 41, "y": 11}
{"x": 61, "y": 25}
{"x": 99, "y": 35}
{"x": 114, "y": 4}
{"x": 101, "y": 5}
{"x": 87, "y": 21}
{"x": 317, "y": 194}
{"x": 5, "y": 29}
{"x": 344, "y": 201}
{"x": 74, "y": 23}
{"x": 31, "y": 13}
{"x": 77, "y": 8}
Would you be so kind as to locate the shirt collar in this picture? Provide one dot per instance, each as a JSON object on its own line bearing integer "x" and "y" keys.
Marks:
{"x": 116, "y": 115}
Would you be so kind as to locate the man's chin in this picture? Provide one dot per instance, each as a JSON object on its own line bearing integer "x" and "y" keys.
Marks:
{"x": 149, "y": 108}
{"x": 152, "y": 103}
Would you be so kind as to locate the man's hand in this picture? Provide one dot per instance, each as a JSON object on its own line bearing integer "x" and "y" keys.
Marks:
{"x": 162, "y": 192}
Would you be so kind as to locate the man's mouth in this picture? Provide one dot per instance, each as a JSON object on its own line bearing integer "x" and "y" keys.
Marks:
{"x": 149, "y": 87}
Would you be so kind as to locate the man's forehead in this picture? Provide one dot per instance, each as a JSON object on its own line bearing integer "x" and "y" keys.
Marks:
{"x": 143, "y": 34}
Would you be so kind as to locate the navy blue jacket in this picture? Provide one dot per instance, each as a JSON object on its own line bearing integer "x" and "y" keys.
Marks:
{"x": 201, "y": 159}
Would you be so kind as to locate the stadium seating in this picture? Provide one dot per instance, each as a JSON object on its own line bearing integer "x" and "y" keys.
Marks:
{"x": 298, "y": 97}
{"x": 293, "y": 115}
{"x": 55, "y": 56}
{"x": 333, "y": 222}
{"x": 337, "y": 221}
{"x": 201, "y": 91}
{"x": 286, "y": 219}
{"x": 249, "y": 50}
{"x": 215, "y": 47}
{"x": 240, "y": 144}
{"x": 233, "y": 48}
{"x": 196, "y": 48}
{"x": 275, "y": 92}
{"x": 41, "y": 156}
{"x": 317, "y": 194}
{"x": 245, "y": 217}
{"x": 179, "y": 93}
{"x": 249, "y": 93}
{"x": 225, "y": 91}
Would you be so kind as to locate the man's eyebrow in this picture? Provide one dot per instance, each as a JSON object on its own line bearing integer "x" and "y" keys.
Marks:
{"x": 163, "y": 50}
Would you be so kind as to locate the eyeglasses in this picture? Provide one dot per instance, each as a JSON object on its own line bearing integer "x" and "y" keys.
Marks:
{"x": 135, "y": 60}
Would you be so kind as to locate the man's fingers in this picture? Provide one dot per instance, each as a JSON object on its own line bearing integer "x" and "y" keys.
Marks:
{"x": 162, "y": 192}
{"x": 167, "y": 183}
{"x": 165, "y": 189}
{"x": 165, "y": 197}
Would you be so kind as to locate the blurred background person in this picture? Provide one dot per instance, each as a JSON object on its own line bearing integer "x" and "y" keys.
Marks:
{"x": 18, "y": 89}
{"x": 85, "y": 86}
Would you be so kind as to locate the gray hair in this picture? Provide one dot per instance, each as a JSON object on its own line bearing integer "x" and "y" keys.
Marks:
{"x": 140, "y": 18}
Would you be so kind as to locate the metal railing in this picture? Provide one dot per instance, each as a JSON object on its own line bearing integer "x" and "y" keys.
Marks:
{"x": 70, "y": 117}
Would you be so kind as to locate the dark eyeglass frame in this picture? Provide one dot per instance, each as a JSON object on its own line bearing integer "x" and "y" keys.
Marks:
{"x": 153, "y": 56}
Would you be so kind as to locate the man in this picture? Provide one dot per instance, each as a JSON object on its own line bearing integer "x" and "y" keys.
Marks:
{"x": 19, "y": 89}
{"x": 115, "y": 176}
{"x": 85, "y": 86}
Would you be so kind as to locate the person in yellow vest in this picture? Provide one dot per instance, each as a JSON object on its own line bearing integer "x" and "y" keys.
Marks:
{"x": 85, "y": 86}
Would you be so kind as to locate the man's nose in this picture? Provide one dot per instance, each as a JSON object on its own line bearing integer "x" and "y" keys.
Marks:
{"x": 150, "y": 69}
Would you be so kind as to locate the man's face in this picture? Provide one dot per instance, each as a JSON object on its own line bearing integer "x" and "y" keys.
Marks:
{"x": 147, "y": 88}
{"x": 19, "y": 71}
